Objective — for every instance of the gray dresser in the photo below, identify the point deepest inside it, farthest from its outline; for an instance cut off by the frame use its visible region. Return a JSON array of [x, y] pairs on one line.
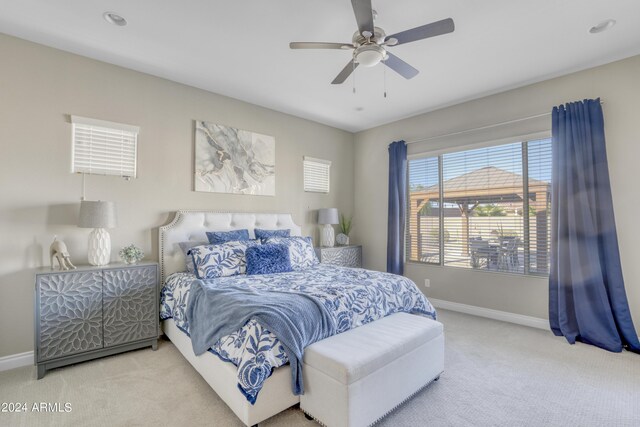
[[92, 312], [345, 256]]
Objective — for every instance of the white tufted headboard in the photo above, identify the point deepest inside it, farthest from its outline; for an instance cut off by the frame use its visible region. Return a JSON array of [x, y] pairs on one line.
[[193, 225]]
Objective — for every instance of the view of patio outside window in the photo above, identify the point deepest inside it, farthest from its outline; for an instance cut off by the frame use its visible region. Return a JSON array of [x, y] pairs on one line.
[[468, 208]]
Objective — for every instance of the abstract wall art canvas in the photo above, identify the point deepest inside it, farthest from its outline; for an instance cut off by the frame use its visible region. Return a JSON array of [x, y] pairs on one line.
[[230, 160]]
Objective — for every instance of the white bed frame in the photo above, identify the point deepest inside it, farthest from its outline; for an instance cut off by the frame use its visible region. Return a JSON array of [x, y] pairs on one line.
[[276, 394]]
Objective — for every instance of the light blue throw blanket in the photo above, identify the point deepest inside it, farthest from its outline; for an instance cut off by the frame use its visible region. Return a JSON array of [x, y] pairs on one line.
[[297, 319]]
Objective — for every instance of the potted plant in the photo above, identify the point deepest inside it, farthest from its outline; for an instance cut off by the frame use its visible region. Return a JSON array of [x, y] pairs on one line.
[[131, 254], [345, 228]]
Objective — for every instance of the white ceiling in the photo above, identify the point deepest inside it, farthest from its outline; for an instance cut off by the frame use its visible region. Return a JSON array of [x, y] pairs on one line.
[[240, 48]]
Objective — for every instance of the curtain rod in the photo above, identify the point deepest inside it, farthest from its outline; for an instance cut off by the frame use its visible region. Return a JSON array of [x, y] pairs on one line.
[[508, 122]]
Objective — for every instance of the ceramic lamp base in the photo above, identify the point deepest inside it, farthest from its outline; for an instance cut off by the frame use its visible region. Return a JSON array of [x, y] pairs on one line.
[[99, 247], [327, 237]]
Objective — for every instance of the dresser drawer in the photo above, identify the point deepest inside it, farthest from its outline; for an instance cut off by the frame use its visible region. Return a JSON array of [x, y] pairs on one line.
[[130, 305], [69, 314]]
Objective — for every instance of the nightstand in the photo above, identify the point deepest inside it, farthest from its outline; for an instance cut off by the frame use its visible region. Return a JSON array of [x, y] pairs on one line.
[[345, 256], [93, 312]]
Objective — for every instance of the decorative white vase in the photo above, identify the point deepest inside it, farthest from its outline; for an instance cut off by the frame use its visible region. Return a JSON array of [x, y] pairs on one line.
[[99, 247], [327, 238]]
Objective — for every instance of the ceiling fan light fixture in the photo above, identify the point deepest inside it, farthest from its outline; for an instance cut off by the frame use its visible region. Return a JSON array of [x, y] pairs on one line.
[[369, 55]]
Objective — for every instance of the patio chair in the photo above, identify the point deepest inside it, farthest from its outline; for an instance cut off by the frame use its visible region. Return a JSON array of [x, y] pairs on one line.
[[508, 254]]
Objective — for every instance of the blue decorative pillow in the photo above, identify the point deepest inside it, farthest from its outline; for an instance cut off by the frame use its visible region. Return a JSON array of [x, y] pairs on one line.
[[263, 235], [226, 259], [301, 252], [268, 259], [217, 237], [186, 247]]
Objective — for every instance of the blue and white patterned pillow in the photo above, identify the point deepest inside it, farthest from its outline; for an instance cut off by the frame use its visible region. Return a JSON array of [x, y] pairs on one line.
[[263, 235], [301, 253], [268, 259], [218, 237], [226, 259]]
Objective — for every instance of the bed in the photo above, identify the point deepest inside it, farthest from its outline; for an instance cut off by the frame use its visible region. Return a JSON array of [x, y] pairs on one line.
[[275, 393]]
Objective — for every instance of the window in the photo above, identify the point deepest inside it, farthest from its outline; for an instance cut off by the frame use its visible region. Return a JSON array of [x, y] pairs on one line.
[[316, 175], [103, 148], [468, 208]]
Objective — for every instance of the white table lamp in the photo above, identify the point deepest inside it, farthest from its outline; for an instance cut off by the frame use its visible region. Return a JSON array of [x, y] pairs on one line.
[[328, 217], [98, 215]]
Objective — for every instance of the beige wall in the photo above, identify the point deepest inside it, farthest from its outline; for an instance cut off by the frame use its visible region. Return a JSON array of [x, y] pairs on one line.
[[39, 197], [617, 84]]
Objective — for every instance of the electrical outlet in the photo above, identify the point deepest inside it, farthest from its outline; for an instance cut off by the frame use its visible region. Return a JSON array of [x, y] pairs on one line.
[[427, 283]]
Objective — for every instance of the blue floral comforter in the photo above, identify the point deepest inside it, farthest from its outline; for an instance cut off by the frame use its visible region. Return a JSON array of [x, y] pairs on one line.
[[353, 296]]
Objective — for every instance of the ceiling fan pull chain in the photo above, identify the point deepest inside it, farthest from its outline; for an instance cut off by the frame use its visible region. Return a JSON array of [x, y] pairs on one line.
[[384, 77]]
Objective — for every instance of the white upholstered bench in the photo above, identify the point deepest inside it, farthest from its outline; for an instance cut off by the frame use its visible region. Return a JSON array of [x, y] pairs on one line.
[[355, 378]]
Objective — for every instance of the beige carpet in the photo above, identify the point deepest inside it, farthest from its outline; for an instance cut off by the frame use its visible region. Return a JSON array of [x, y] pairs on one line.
[[497, 374]]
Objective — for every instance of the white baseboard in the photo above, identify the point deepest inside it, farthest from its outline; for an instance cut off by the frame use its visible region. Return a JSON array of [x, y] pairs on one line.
[[505, 316], [16, 361]]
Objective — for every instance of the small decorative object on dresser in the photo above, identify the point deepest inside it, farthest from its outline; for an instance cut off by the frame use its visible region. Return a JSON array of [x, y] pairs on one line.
[[131, 254], [342, 239], [345, 256], [345, 228], [58, 250], [327, 217], [98, 215], [93, 312]]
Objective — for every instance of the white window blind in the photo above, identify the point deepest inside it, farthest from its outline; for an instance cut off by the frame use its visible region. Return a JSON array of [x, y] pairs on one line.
[[467, 208], [317, 175], [103, 148], [539, 173]]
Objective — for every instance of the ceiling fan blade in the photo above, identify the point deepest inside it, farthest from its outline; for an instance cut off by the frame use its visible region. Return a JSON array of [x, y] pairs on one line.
[[364, 15], [319, 45], [400, 67], [425, 31], [346, 72]]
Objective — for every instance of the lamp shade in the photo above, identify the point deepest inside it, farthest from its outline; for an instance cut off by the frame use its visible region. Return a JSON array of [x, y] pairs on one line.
[[328, 216], [97, 214]]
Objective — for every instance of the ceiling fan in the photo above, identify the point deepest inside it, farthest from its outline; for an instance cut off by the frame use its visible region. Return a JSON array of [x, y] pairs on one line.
[[370, 43]]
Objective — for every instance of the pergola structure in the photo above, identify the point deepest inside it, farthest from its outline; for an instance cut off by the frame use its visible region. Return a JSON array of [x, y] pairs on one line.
[[482, 186]]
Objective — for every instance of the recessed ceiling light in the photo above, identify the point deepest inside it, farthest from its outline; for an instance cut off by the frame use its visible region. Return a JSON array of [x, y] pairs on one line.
[[114, 18], [602, 26]]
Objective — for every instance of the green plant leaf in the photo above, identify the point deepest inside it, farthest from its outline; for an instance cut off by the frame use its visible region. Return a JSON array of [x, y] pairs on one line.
[[345, 224]]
